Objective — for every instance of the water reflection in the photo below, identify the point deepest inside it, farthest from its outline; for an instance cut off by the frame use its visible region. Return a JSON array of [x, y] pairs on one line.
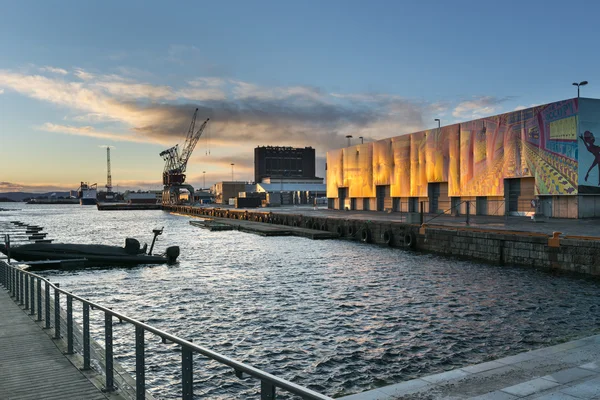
[[339, 317]]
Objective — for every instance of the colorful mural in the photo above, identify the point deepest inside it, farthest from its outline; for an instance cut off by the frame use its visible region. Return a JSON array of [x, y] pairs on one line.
[[475, 157], [589, 146]]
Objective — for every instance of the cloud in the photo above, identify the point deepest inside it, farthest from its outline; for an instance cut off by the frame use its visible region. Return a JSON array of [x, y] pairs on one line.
[[54, 70], [1, 91], [90, 131], [32, 187], [243, 115], [518, 108], [478, 107]]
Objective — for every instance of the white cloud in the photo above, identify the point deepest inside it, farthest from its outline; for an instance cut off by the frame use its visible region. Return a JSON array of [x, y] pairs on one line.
[[54, 70], [1, 91], [478, 107]]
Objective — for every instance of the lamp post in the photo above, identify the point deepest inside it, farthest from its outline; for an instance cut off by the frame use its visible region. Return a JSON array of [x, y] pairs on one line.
[[232, 164], [203, 179], [362, 140], [349, 137], [583, 83]]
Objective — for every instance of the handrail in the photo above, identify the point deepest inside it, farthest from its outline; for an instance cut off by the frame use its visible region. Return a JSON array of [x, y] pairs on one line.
[[445, 211], [19, 282]]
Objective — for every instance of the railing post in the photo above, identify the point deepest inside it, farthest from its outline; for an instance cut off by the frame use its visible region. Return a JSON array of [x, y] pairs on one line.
[[108, 343], [26, 287], [21, 280], [140, 367], [187, 373], [39, 299], [56, 312], [47, 304], [69, 324], [32, 294], [468, 211], [422, 212], [86, 336], [267, 390]]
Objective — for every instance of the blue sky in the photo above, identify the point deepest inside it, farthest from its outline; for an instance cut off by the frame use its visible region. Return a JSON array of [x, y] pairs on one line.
[[78, 75]]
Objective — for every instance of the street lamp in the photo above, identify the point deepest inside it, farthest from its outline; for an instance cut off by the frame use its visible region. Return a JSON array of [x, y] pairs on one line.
[[583, 83], [203, 179], [232, 164], [348, 137], [361, 139]]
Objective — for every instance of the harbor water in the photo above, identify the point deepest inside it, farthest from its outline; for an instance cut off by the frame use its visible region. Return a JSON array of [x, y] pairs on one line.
[[337, 316]]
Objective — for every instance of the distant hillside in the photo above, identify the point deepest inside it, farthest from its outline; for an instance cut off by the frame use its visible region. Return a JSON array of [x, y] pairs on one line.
[[20, 196]]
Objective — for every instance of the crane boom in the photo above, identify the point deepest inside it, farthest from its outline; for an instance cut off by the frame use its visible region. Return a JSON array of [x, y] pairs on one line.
[[190, 144], [175, 162]]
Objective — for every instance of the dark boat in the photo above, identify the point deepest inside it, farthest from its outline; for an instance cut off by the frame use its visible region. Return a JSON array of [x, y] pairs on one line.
[[90, 254]]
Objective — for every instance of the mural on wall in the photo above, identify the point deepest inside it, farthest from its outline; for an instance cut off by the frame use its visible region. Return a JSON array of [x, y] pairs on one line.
[[418, 170], [400, 184], [358, 170], [437, 154], [383, 162], [589, 146], [335, 177], [475, 157]]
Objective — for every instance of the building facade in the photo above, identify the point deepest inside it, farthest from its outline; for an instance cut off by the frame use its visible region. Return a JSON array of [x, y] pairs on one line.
[[283, 162], [543, 159]]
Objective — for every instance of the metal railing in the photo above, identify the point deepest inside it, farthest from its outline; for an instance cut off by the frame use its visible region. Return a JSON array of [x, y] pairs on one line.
[[26, 288]]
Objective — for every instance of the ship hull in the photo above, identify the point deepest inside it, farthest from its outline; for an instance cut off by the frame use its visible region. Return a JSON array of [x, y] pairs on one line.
[[88, 202]]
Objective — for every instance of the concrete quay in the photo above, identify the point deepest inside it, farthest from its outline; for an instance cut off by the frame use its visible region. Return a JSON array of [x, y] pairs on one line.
[[566, 371], [567, 245]]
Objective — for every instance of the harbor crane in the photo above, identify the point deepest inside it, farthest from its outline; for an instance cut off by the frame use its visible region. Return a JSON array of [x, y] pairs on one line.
[[176, 164]]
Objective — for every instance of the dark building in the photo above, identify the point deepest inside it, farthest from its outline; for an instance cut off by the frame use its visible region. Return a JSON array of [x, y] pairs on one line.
[[283, 163]]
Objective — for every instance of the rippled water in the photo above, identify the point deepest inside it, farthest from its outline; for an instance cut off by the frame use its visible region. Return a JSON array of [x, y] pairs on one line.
[[339, 317]]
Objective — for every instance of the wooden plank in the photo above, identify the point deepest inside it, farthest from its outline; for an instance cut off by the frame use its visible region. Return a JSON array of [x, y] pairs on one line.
[[32, 365]]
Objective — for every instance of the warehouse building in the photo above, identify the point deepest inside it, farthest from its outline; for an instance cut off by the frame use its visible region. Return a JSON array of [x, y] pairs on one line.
[[543, 160]]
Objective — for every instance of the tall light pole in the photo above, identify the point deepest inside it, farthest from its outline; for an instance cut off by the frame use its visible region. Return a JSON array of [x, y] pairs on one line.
[[362, 140], [349, 137], [232, 164], [203, 179], [583, 83]]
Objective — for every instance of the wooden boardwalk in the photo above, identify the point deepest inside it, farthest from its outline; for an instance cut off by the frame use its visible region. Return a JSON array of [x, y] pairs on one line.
[[32, 366]]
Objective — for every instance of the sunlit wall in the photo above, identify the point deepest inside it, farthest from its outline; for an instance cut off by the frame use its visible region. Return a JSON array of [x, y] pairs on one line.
[[475, 157]]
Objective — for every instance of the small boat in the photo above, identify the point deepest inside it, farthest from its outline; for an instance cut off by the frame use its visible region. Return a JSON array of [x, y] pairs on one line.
[[66, 254]]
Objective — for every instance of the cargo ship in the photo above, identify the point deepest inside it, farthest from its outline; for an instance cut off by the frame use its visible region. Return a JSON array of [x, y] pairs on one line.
[[87, 194]]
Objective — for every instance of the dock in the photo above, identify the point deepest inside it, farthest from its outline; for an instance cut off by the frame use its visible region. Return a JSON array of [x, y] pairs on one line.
[[262, 229], [33, 367]]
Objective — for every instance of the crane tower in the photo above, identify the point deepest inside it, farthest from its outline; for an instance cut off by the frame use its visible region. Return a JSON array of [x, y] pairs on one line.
[[176, 164]]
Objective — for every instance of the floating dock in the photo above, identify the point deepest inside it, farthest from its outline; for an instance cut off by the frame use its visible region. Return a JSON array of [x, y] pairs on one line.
[[221, 224]]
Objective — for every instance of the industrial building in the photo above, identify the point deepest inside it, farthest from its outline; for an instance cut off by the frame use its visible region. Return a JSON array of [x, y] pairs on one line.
[[542, 160], [288, 163]]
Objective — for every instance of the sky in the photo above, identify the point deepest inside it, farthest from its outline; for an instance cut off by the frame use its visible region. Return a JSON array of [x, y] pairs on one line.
[[77, 76]]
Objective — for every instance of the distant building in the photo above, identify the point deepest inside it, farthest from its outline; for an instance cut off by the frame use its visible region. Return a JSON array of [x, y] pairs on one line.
[[286, 163], [223, 191]]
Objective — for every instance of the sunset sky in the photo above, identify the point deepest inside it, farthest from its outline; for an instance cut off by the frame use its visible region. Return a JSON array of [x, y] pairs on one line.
[[76, 76]]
